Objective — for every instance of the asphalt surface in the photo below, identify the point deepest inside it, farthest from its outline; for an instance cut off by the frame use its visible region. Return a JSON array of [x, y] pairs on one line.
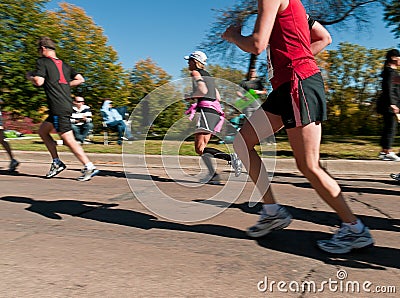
[[145, 227]]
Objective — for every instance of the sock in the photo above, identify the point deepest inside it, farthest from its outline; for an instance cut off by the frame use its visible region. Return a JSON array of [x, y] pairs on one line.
[[56, 160], [217, 153], [89, 166], [271, 209], [356, 227], [206, 157]]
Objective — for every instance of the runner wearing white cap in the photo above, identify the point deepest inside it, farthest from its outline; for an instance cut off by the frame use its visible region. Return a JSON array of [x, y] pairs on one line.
[[210, 115]]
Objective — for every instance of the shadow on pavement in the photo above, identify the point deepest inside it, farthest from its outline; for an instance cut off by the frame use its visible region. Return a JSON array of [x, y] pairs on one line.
[[299, 243], [317, 217], [345, 188], [17, 173], [103, 213], [122, 174], [289, 241], [157, 178], [106, 173], [352, 179]]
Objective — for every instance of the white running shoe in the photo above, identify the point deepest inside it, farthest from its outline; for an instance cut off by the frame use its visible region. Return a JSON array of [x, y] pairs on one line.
[[268, 223], [391, 156], [346, 240], [87, 174], [236, 164]]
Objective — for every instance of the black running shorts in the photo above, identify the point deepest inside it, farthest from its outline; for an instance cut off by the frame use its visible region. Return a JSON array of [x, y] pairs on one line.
[[307, 106], [62, 123]]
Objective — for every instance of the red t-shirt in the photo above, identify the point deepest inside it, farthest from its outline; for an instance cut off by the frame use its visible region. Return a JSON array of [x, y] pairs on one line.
[[290, 46]]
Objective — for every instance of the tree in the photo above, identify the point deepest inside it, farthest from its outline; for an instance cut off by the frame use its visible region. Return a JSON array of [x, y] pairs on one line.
[[392, 16], [152, 83], [226, 73], [353, 84], [83, 45], [19, 27], [244, 12], [145, 77]]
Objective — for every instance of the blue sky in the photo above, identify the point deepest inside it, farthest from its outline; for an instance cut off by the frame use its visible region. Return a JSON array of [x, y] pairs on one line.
[[166, 31]]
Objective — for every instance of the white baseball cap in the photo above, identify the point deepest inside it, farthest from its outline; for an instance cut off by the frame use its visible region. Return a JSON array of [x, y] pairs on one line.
[[199, 56]]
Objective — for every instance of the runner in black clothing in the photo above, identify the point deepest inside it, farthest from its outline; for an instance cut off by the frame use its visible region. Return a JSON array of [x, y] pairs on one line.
[[57, 78]]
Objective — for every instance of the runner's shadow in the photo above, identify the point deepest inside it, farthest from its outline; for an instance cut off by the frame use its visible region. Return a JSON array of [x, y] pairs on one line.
[[339, 179], [104, 213], [17, 173], [345, 187], [122, 174], [157, 178], [52, 209], [318, 217], [107, 173], [372, 180], [299, 243], [294, 242], [8, 173]]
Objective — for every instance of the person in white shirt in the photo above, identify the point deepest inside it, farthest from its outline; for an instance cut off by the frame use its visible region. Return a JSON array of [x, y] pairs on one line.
[[81, 119]]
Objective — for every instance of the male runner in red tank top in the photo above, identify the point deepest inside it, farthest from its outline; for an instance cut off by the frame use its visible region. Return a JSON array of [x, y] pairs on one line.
[[298, 104]]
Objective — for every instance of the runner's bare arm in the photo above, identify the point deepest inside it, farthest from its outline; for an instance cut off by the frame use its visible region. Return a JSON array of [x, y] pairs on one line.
[[36, 80], [201, 89], [259, 39], [320, 38], [77, 80]]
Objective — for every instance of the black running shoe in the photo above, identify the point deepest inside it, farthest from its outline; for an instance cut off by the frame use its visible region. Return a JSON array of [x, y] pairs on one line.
[[13, 165], [55, 169]]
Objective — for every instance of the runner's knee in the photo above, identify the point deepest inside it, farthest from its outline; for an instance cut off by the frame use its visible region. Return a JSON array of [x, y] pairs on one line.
[[308, 169]]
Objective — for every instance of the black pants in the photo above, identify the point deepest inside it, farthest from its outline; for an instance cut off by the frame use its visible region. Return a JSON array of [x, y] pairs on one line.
[[389, 130]]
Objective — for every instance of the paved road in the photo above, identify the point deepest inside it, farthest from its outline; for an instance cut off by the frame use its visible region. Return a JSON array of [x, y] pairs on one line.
[[64, 238]]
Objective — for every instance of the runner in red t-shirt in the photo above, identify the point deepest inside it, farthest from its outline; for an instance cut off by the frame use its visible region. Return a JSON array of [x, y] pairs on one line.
[[298, 104]]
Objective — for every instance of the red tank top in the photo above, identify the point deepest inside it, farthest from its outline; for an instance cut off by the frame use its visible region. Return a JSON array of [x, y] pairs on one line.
[[290, 46]]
